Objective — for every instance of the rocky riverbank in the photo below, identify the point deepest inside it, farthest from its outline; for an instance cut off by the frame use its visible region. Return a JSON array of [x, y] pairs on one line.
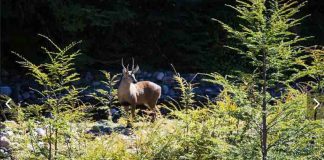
[[19, 86]]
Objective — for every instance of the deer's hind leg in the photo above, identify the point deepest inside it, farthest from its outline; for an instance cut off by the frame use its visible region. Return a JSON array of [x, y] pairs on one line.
[[133, 108], [154, 111]]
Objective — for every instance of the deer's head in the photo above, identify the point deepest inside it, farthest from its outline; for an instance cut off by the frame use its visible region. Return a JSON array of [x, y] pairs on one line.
[[129, 75]]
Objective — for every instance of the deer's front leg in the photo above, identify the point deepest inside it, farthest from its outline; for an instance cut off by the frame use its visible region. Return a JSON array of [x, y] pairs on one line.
[[133, 112], [126, 108]]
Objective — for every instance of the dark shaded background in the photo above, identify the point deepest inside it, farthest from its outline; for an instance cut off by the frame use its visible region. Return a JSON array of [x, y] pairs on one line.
[[154, 32]]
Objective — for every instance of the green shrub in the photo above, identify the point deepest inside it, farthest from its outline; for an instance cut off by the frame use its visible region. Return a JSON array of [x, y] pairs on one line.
[[60, 99]]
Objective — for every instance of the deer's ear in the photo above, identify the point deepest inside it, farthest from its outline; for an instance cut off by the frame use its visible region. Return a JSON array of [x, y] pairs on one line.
[[136, 69]]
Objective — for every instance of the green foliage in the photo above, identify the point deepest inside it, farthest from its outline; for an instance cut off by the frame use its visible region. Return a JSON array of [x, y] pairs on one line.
[[286, 122], [186, 90], [60, 99], [230, 126], [107, 99], [267, 42], [225, 128], [314, 70], [268, 30], [14, 110]]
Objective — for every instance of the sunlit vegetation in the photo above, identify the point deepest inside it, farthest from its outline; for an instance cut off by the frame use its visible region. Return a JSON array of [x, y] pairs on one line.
[[245, 121]]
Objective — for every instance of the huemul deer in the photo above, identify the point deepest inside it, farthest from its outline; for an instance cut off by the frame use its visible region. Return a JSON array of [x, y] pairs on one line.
[[132, 93]]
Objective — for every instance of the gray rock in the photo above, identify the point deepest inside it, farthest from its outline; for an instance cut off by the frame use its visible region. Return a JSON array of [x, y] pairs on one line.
[[172, 93], [96, 83], [2, 126], [160, 76], [88, 77], [26, 95], [212, 90], [165, 89], [100, 129], [7, 133], [20, 98], [48, 115], [169, 73], [168, 79], [4, 142], [6, 90], [123, 130], [115, 114], [113, 111], [4, 153], [30, 147], [41, 144], [183, 157], [209, 90], [32, 94], [41, 132], [11, 122], [127, 132]]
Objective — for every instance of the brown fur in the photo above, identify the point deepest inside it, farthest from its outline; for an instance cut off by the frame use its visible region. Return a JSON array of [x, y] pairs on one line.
[[142, 93]]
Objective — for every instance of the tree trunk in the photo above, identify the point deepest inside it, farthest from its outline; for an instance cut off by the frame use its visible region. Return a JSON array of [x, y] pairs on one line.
[[264, 131], [50, 142], [55, 144]]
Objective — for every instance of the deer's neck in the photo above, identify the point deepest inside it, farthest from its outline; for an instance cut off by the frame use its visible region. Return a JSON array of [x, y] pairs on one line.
[[125, 85]]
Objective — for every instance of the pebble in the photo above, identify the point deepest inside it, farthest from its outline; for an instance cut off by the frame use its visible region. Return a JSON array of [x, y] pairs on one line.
[[6, 90], [172, 93], [4, 153], [208, 90], [88, 77], [8, 133], [41, 132], [160, 76], [4, 142], [25, 95], [96, 83], [165, 89]]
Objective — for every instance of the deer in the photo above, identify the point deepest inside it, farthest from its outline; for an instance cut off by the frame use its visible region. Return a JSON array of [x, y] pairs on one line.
[[132, 93]]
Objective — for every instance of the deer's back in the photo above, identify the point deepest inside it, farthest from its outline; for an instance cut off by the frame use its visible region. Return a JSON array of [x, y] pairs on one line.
[[147, 92]]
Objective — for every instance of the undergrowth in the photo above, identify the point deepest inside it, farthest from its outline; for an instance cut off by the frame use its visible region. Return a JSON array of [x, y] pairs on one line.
[[229, 126]]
